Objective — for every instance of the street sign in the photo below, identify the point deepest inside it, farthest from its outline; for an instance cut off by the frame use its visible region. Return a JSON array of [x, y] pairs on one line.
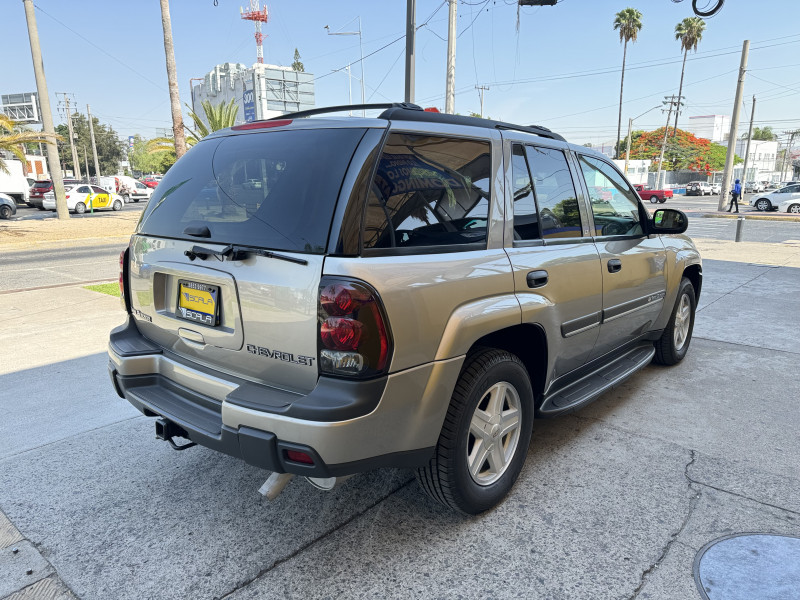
[[248, 100], [130, 141]]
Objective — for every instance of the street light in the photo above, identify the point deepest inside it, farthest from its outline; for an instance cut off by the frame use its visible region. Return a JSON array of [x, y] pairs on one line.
[[361, 49], [630, 127]]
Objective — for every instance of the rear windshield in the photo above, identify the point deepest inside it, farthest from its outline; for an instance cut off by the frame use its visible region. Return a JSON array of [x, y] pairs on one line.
[[274, 189], [42, 184]]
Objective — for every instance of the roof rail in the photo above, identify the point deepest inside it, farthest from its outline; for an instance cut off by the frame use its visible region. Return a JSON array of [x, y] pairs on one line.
[[399, 113], [332, 109]]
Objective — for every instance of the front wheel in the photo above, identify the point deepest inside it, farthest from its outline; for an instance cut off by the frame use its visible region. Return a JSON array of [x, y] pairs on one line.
[[673, 344], [763, 204], [654, 199], [794, 208], [80, 208], [663, 200], [5, 212], [486, 434]]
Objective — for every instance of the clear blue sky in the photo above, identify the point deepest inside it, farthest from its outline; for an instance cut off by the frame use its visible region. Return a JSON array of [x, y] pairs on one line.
[[560, 69]]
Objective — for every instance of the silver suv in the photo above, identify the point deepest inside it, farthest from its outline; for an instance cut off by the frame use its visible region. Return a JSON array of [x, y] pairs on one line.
[[322, 297]]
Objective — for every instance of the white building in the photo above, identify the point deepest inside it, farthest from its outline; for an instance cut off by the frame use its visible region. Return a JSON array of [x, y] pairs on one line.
[[716, 128], [261, 91], [637, 170], [761, 163]]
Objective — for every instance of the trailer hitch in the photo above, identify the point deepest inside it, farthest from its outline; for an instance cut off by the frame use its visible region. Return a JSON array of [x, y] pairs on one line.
[[166, 431]]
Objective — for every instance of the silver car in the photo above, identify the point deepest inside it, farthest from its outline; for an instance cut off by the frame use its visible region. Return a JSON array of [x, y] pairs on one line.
[[785, 199], [322, 297]]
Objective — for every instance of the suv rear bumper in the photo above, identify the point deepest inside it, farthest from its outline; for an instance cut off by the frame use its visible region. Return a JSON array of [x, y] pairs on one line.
[[344, 426]]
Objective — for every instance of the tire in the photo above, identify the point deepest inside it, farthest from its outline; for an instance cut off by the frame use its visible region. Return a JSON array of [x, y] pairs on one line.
[[135, 199], [794, 208], [674, 342], [464, 474], [80, 208], [126, 199], [662, 200], [117, 205], [5, 212], [654, 199], [763, 204], [40, 207]]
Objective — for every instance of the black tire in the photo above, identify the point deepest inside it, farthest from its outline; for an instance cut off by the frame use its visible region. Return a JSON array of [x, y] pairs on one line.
[[793, 208], [662, 200], [674, 342], [654, 199], [40, 207], [136, 199], [763, 204], [117, 205], [80, 208], [447, 478], [126, 199], [5, 212]]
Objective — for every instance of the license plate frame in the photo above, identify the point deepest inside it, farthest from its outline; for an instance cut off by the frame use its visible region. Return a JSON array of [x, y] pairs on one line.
[[198, 302]]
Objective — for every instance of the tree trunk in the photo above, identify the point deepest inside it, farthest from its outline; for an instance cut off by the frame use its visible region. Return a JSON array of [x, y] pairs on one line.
[[174, 97], [621, 84], [680, 91]]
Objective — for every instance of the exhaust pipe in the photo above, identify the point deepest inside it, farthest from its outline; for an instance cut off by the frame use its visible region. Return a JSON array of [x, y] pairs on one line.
[[327, 483]]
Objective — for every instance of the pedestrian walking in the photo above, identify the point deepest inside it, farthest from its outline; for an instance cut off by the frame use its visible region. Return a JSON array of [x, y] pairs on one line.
[[735, 195]]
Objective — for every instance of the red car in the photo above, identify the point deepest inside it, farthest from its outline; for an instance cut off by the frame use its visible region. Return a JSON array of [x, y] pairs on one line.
[[151, 181], [40, 188], [654, 196]]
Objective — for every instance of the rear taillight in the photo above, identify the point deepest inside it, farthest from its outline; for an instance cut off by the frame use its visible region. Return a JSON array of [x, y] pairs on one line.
[[123, 271], [354, 336]]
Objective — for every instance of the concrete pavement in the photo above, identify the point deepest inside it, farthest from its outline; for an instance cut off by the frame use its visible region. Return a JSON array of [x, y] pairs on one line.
[[614, 501]]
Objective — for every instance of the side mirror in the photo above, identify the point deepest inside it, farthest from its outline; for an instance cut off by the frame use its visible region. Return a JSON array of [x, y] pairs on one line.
[[668, 220]]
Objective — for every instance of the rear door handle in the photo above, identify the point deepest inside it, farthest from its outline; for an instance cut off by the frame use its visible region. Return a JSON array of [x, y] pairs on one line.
[[614, 265], [536, 279]]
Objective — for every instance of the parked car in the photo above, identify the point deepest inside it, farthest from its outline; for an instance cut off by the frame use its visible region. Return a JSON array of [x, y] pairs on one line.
[[699, 188], [716, 188], [84, 197], [152, 181], [654, 196], [40, 188], [393, 295], [134, 191], [783, 200], [753, 187], [8, 206]]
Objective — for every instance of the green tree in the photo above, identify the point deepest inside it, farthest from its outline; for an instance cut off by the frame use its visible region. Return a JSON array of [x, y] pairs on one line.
[[109, 146], [685, 151], [688, 32], [762, 133], [297, 65], [629, 23], [13, 139]]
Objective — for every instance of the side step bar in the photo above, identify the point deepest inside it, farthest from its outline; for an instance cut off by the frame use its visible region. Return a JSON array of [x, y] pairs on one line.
[[594, 384]]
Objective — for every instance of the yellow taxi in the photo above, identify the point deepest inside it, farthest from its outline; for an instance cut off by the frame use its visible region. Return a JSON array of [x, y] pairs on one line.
[[85, 197]]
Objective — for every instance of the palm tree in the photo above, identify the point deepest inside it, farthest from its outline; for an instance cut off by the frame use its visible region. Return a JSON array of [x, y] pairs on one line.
[[13, 140], [629, 23], [172, 78], [220, 116], [689, 32]]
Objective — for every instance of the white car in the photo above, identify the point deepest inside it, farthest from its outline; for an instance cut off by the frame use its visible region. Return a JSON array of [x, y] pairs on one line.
[[786, 199], [135, 191], [754, 186], [84, 197], [716, 188]]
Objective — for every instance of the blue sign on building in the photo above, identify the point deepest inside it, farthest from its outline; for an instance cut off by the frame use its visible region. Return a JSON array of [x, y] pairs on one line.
[[130, 141], [248, 100]]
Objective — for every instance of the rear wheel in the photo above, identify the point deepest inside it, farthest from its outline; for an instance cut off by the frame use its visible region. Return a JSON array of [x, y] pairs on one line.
[[5, 212], [654, 199], [794, 208], [674, 342], [763, 204], [486, 433], [80, 208]]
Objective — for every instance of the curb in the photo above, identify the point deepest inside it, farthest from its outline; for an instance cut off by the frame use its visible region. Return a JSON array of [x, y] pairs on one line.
[[755, 217]]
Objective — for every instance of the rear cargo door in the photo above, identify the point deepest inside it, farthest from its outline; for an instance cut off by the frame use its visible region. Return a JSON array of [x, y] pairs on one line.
[[226, 262]]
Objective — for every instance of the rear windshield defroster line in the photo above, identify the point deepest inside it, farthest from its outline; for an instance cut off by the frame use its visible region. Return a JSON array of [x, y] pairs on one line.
[[273, 189]]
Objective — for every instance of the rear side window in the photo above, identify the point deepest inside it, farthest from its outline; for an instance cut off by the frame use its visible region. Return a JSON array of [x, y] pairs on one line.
[[555, 193], [275, 189], [429, 191], [526, 218]]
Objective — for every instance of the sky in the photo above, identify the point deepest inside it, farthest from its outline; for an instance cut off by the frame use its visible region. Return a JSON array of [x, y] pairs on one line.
[[558, 67]]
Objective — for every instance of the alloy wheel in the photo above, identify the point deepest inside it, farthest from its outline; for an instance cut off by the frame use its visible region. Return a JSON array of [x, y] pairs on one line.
[[494, 433], [683, 321]]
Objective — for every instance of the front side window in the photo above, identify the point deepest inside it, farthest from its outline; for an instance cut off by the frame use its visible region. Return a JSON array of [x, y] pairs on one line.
[[429, 191], [555, 193], [614, 205]]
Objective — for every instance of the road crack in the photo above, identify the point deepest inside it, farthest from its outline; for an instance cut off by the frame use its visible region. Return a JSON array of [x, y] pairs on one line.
[[693, 501]]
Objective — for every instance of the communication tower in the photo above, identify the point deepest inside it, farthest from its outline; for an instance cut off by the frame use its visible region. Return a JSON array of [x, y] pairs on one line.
[[258, 16]]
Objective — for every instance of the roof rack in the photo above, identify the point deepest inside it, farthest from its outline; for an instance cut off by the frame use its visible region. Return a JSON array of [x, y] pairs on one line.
[[405, 111], [332, 109]]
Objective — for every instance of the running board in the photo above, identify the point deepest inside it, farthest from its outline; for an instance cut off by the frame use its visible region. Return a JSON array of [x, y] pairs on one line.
[[594, 384]]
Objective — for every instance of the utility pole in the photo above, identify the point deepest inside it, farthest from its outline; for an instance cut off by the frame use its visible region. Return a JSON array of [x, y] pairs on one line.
[[53, 160], [450, 87], [669, 101], [411, 30], [75, 161], [737, 103], [747, 147], [481, 89], [94, 146]]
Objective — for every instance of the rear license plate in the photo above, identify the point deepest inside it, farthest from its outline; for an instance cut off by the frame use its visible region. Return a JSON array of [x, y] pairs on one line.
[[198, 302]]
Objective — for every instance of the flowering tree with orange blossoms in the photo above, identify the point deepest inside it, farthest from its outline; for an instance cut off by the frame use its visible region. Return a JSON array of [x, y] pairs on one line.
[[684, 151]]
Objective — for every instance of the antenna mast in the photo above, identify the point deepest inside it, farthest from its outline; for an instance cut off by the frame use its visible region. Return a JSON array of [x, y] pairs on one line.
[[258, 16]]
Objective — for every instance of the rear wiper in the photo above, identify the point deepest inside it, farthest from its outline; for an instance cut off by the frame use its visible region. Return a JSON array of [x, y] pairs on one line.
[[233, 252]]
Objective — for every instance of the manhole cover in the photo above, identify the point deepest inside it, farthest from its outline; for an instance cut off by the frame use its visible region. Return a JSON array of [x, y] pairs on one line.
[[747, 566]]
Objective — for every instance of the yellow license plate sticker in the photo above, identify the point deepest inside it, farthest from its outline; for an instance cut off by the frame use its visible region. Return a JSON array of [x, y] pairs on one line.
[[198, 302]]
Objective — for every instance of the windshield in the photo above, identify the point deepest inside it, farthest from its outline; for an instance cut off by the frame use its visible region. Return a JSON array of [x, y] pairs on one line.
[[272, 189]]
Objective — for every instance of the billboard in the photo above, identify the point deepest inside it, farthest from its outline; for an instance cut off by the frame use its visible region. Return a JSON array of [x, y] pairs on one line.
[[23, 108]]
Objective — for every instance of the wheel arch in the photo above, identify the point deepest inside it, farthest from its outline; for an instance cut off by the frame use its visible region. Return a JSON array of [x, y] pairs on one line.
[[695, 274]]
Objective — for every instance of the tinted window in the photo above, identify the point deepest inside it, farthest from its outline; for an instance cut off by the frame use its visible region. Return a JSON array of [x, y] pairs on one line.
[[275, 189], [98, 190], [42, 184], [526, 218], [84, 189], [429, 191], [614, 205], [555, 193]]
